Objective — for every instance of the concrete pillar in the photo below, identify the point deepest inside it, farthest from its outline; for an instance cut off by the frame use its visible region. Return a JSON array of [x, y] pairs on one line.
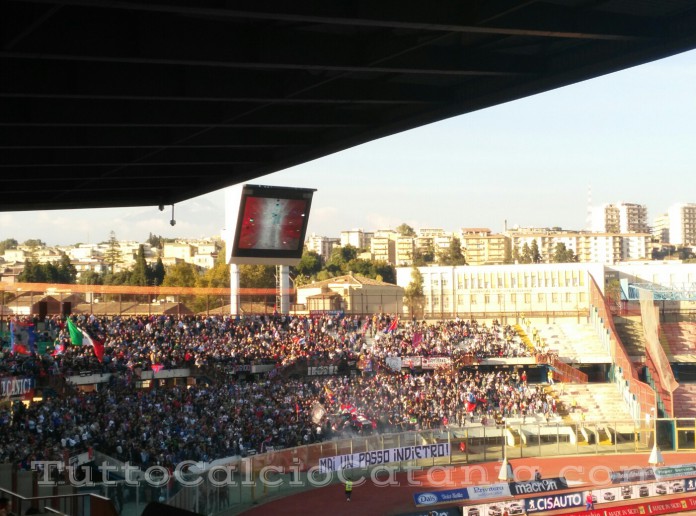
[[234, 289], [284, 271]]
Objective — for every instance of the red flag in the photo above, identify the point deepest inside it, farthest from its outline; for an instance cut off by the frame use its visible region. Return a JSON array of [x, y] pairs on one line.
[[21, 349], [417, 338], [98, 346], [157, 367], [393, 325]]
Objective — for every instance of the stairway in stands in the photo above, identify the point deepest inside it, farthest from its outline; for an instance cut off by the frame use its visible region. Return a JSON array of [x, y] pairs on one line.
[[574, 342], [597, 401], [630, 331]]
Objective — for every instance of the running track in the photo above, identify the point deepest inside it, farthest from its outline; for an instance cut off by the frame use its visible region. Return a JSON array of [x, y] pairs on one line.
[[372, 500]]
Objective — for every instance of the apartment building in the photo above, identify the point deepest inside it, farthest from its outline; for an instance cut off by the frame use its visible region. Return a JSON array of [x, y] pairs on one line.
[[322, 245], [405, 247], [481, 247], [605, 248], [383, 248], [620, 217], [660, 228], [357, 238], [682, 224]]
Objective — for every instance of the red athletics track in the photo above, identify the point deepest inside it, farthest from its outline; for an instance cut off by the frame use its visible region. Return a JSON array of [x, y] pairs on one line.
[[371, 500]]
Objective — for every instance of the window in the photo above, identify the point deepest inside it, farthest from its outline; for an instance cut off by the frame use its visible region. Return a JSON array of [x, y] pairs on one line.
[[568, 297], [460, 300], [527, 298], [487, 299], [513, 298], [472, 299], [540, 297], [554, 297]]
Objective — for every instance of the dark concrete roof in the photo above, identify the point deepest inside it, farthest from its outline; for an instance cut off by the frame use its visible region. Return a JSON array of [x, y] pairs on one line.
[[144, 102]]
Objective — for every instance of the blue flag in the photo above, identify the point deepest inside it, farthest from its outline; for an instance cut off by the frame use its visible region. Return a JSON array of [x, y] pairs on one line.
[[22, 337]]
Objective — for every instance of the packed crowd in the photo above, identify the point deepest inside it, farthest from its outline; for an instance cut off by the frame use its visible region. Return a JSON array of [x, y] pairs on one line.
[[205, 422], [452, 338], [186, 341]]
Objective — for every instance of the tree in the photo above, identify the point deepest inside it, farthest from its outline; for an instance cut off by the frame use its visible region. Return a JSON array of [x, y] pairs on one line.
[[385, 272], [9, 243], [516, 257], [34, 242], [612, 294], [66, 270], [181, 275], [141, 274], [91, 278], [218, 276], [453, 254], [340, 256], [414, 298], [360, 266], [33, 272], [257, 276], [563, 255], [526, 255], [117, 278], [423, 257], [534, 253], [509, 256], [405, 230], [158, 272], [112, 255], [155, 241], [309, 264]]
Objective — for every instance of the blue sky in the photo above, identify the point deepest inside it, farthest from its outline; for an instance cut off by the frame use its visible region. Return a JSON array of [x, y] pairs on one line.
[[630, 135]]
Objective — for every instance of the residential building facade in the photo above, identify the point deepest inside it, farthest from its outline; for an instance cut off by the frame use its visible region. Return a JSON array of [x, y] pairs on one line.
[[620, 217], [481, 247], [682, 224], [322, 245]]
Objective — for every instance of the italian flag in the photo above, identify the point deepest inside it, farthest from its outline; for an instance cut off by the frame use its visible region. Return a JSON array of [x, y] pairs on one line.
[[79, 337]]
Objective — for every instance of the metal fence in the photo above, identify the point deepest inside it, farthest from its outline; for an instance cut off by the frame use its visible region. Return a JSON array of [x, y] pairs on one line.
[[277, 473]]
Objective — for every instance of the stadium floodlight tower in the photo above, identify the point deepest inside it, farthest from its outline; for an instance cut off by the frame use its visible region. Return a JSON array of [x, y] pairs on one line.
[[265, 225]]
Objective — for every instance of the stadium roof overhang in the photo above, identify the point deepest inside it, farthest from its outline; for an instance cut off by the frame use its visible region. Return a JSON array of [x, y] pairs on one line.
[[126, 103]]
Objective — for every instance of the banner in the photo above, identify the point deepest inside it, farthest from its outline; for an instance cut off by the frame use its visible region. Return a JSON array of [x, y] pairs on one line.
[[445, 511], [411, 362], [538, 486], [682, 470], [632, 475], [377, 457], [11, 387], [555, 502], [322, 370], [435, 497], [435, 362], [658, 507], [489, 491], [394, 363]]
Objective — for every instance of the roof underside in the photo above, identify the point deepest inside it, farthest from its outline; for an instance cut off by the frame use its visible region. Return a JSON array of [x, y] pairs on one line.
[[128, 103]]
